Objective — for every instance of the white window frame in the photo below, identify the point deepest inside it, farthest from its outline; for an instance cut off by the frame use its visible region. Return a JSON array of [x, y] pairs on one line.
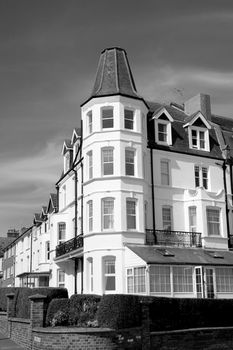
[[106, 160], [89, 122], [66, 161], [199, 176], [167, 224], [47, 251], [224, 279], [129, 121], [90, 215], [90, 165], [107, 213], [109, 262], [165, 175], [217, 223], [136, 280], [192, 218], [60, 278], [131, 215], [198, 144], [61, 232], [160, 279], [105, 119], [183, 279], [130, 162], [168, 132]]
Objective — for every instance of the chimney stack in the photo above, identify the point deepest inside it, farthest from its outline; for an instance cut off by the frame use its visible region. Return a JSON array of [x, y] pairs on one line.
[[198, 103]]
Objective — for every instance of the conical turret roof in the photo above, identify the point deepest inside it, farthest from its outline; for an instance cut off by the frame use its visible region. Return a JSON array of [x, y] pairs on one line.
[[114, 76]]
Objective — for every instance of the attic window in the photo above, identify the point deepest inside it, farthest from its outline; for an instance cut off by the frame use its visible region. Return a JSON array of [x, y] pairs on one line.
[[163, 135], [198, 138], [164, 252], [198, 133]]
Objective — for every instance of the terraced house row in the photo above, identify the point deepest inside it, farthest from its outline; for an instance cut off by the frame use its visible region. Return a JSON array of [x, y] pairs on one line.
[[144, 204]]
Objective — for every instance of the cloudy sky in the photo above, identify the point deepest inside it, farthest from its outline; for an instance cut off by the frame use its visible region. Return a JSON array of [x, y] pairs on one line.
[[49, 52]]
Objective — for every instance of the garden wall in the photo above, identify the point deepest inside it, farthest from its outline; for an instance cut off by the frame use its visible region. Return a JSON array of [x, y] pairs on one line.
[[194, 339], [19, 330]]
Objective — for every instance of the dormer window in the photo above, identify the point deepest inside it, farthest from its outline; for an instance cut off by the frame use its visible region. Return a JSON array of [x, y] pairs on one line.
[[67, 161], [198, 132], [199, 138], [163, 129], [107, 118]]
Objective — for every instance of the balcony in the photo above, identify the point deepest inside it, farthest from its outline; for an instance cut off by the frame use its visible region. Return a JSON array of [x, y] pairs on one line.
[[69, 246], [174, 238]]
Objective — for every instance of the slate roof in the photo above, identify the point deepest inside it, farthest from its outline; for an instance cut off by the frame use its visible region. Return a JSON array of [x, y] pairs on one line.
[[53, 197], [114, 76], [181, 256], [220, 134], [4, 241]]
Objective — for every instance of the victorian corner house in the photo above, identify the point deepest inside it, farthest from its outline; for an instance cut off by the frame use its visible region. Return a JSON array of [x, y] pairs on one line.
[[144, 203]]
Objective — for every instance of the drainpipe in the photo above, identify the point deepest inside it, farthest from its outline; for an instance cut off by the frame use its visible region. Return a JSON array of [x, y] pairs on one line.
[[152, 192], [231, 180], [224, 166], [81, 260], [31, 253]]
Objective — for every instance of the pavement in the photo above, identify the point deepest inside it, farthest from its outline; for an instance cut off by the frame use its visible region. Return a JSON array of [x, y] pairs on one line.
[[8, 344]]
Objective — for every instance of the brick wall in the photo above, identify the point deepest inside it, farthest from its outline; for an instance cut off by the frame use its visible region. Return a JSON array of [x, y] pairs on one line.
[[72, 339], [194, 339], [21, 332], [3, 322]]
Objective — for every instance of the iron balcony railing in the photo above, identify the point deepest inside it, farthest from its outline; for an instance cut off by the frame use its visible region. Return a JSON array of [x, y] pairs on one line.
[[69, 246], [173, 238]]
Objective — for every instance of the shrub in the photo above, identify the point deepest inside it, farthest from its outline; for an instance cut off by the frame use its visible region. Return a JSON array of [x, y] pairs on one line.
[[119, 311], [61, 318], [83, 309], [62, 305], [23, 302]]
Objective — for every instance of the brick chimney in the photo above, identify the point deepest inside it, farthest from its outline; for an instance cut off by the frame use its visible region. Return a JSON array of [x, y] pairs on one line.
[[12, 233], [200, 102]]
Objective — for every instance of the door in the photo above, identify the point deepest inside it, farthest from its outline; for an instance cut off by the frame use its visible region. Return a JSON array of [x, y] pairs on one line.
[[209, 285], [199, 282]]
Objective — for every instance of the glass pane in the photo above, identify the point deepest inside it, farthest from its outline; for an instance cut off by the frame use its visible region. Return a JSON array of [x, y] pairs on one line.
[[107, 118], [110, 283], [129, 119]]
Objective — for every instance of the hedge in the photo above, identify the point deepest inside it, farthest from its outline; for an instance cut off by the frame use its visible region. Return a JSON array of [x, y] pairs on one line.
[[174, 313], [119, 311], [83, 308], [55, 306], [3, 296], [23, 302]]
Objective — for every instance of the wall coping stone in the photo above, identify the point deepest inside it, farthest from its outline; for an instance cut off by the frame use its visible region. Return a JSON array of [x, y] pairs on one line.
[[176, 331], [69, 330], [10, 295], [37, 296], [19, 320]]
